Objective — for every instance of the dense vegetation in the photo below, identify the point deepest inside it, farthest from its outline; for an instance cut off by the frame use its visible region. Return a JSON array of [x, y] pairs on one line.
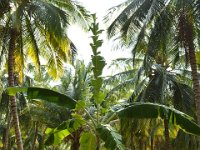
[[152, 103]]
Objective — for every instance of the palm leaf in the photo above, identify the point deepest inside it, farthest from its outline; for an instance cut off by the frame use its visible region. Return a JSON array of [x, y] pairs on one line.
[[49, 16], [19, 58], [5, 36], [55, 66], [113, 28], [4, 7], [122, 86], [184, 98], [33, 48], [119, 76], [153, 110], [76, 13]]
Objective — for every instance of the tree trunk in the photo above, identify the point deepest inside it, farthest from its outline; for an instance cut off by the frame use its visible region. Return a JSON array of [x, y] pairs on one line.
[[75, 140], [193, 65], [35, 135], [152, 141], [187, 37], [97, 142], [141, 143], [167, 139], [13, 103], [6, 133]]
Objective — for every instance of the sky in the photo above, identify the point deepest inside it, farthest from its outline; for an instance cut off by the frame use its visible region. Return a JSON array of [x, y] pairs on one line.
[[82, 39]]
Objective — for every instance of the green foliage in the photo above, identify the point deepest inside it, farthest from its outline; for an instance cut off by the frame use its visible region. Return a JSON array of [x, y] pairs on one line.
[[12, 91], [152, 110], [110, 136], [198, 58], [87, 141], [56, 135], [98, 62], [51, 96], [44, 26], [46, 95]]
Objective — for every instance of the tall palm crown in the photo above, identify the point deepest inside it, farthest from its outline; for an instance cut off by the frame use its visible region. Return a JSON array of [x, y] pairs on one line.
[[160, 26], [41, 28], [33, 28]]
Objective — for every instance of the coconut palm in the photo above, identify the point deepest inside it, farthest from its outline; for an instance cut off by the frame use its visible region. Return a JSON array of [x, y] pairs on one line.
[[29, 24], [98, 119], [158, 86], [136, 110], [156, 21]]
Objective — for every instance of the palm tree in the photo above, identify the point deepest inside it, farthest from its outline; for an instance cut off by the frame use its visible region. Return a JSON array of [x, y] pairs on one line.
[[136, 110], [4, 6], [156, 21], [158, 86], [44, 20]]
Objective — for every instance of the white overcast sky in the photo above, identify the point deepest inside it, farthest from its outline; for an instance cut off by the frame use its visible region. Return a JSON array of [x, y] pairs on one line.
[[82, 40]]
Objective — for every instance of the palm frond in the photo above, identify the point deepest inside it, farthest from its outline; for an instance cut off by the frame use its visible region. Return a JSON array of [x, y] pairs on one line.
[[4, 7], [184, 98], [122, 87], [120, 76], [137, 90], [55, 66], [77, 13], [3, 49], [124, 15], [50, 17], [19, 59], [32, 45], [121, 61], [46, 113], [160, 35]]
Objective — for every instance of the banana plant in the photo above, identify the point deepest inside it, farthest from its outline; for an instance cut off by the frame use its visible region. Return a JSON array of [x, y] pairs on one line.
[[89, 126], [153, 110], [106, 132]]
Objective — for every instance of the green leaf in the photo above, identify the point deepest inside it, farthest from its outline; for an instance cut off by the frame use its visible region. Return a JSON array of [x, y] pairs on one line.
[[99, 97], [112, 139], [48, 131], [99, 63], [59, 136], [152, 110], [97, 83], [50, 140], [12, 91], [44, 94], [56, 137], [197, 54], [79, 120], [87, 141], [80, 105], [51, 96]]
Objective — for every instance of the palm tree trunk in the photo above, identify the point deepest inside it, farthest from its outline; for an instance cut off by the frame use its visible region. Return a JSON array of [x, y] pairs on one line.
[[13, 103], [187, 33], [141, 144], [152, 141], [7, 129], [167, 139], [195, 80]]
